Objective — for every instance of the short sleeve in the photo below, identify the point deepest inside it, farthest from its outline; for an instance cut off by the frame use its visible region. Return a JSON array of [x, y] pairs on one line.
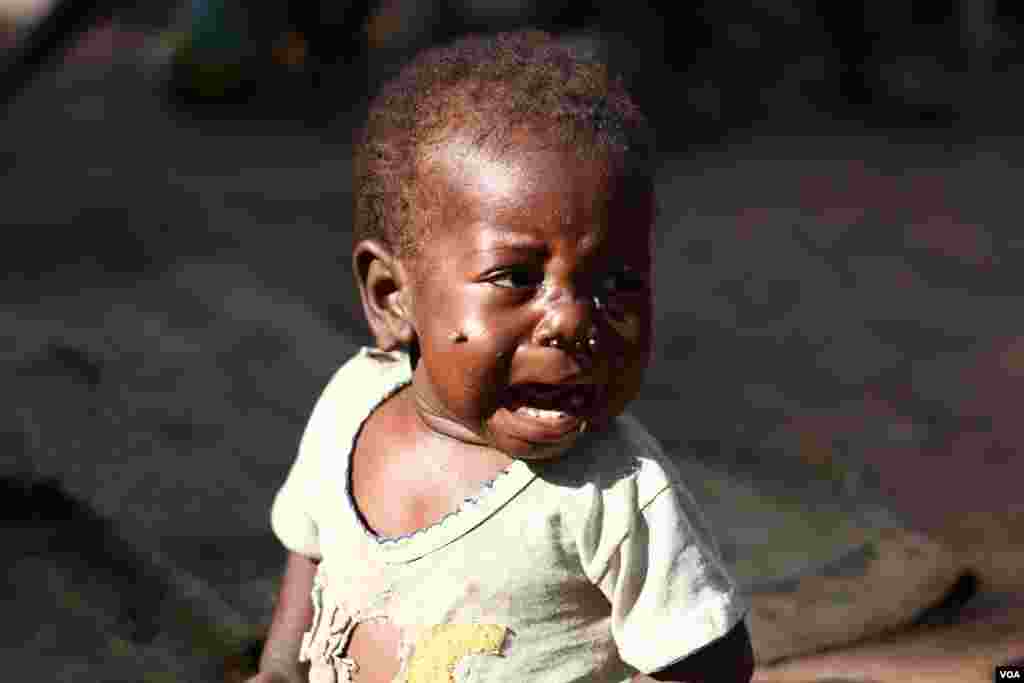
[[669, 589], [291, 515], [351, 394]]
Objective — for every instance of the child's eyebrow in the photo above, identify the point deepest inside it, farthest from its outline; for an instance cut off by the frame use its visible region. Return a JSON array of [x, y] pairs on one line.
[[511, 241]]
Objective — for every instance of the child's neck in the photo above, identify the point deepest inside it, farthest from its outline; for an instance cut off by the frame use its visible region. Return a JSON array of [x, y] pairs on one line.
[[407, 476]]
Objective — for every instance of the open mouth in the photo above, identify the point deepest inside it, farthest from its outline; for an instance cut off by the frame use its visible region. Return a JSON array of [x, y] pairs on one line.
[[549, 412]]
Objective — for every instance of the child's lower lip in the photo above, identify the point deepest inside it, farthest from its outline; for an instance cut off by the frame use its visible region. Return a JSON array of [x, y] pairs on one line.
[[543, 429]]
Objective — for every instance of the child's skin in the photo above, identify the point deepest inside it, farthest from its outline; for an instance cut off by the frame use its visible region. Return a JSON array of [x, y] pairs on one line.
[[529, 252]]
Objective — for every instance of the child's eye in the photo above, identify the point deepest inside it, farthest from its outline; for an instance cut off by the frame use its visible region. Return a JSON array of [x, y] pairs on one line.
[[518, 278]]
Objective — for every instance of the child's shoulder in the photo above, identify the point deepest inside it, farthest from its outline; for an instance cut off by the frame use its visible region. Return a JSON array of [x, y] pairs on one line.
[[370, 368], [624, 456], [365, 378], [355, 388]]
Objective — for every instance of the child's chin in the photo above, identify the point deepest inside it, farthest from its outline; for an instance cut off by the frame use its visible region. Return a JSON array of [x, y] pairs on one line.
[[535, 452]]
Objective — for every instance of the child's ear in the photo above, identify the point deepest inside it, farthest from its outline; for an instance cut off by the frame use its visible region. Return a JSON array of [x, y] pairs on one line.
[[384, 287]]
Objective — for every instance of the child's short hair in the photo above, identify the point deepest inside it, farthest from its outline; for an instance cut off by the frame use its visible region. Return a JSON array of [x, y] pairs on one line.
[[492, 83]]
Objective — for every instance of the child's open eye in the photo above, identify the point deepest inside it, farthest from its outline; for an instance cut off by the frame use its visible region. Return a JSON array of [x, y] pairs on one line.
[[516, 278]]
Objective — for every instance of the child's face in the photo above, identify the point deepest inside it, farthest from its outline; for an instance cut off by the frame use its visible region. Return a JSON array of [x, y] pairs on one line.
[[529, 253]]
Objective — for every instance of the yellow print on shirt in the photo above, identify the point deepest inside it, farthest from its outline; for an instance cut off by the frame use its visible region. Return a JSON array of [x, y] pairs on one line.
[[439, 649]]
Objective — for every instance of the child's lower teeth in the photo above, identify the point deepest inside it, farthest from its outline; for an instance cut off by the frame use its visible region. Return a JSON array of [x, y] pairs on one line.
[[543, 414]]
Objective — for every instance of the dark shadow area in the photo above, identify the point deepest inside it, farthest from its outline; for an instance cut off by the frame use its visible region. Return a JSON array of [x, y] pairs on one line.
[[947, 611], [70, 533]]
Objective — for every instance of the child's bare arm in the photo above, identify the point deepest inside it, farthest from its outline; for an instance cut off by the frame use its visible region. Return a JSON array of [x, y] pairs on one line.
[[293, 615], [729, 659]]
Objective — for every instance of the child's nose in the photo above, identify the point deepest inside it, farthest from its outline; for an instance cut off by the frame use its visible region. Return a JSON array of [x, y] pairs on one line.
[[569, 324]]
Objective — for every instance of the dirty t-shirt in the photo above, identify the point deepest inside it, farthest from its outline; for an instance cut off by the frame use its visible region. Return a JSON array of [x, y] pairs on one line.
[[590, 567]]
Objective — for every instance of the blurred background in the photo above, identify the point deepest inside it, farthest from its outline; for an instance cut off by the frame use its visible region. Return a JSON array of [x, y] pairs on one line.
[[839, 259]]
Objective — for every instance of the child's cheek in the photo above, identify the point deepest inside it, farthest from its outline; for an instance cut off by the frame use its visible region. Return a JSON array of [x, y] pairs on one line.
[[472, 358], [627, 324], [479, 329]]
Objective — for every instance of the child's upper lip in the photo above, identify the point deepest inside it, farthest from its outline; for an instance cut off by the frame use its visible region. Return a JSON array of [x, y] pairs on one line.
[[555, 394], [555, 384]]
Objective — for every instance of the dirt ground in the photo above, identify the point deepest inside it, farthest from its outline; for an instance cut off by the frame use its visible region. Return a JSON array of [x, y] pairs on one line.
[[836, 332]]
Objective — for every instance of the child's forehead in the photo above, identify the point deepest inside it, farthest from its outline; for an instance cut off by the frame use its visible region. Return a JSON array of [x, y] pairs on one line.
[[503, 160], [519, 181], [491, 206]]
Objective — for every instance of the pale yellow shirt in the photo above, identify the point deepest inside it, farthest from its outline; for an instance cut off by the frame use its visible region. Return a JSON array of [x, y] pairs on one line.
[[589, 568]]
